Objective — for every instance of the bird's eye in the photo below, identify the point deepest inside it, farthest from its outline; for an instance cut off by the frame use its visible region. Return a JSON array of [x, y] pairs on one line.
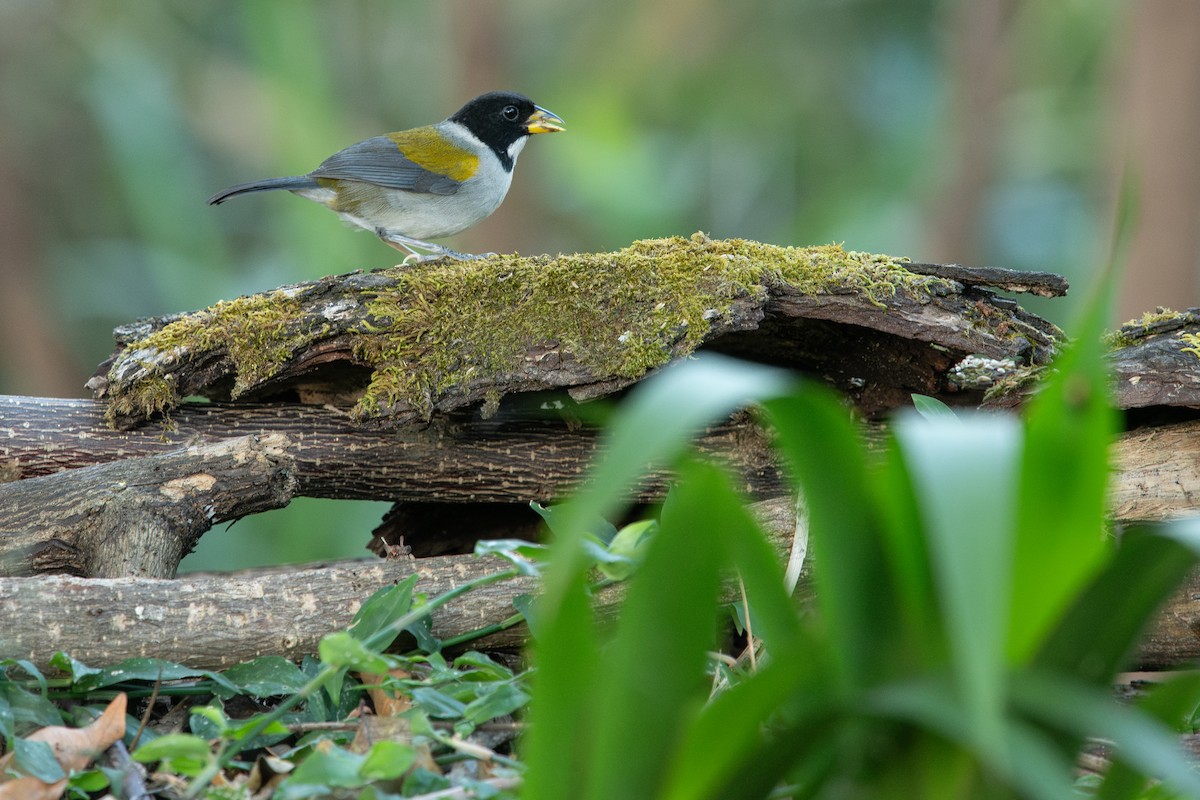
[[511, 113]]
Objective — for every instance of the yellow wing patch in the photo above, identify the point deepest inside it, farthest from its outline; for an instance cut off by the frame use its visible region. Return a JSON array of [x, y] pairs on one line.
[[423, 146]]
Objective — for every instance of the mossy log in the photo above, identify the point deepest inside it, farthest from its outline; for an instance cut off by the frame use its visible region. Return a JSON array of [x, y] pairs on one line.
[[1156, 361], [399, 345]]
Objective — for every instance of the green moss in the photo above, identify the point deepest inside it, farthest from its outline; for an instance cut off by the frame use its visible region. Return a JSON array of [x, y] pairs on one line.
[[257, 334], [1020, 381], [1135, 329], [148, 396], [433, 328], [619, 314]]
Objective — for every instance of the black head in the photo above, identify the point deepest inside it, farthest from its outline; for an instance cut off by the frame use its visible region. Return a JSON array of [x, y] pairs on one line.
[[498, 119]]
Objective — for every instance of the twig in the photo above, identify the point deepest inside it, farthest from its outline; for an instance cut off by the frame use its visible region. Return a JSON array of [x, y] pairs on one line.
[[133, 786], [466, 793], [749, 625], [352, 724], [145, 720], [1043, 284], [477, 751]]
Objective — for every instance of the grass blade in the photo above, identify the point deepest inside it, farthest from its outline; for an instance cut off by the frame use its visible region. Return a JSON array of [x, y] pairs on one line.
[[1070, 424], [729, 739], [567, 657], [1164, 703], [654, 668], [1082, 710], [654, 426], [822, 447], [964, 475]]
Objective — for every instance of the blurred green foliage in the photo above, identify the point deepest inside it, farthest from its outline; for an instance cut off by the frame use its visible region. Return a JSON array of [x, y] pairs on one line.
[[970, 613], [786, 121]]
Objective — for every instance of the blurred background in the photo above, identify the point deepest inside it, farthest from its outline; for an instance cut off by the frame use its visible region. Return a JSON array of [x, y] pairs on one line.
[[990, 132]]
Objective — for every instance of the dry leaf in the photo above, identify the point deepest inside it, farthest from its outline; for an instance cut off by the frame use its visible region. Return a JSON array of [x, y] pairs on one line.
[[378, 729], [266, 774], [74, 748], [31, 789], [387, 703]]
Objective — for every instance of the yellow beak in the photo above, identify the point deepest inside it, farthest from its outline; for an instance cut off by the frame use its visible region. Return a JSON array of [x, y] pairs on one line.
[[543, 121]]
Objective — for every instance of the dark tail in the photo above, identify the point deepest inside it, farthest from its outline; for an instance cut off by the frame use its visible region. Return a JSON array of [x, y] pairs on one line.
[[300, 182]]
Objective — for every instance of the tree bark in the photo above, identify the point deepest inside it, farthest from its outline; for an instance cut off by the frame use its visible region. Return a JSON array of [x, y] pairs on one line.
[[138, 516], [1157, 473], [489, 461], [1159, 364], [507, 458], [217, 620]]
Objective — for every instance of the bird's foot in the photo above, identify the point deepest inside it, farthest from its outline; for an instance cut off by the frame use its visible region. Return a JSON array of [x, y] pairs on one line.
[[409, 245], [465, 256]]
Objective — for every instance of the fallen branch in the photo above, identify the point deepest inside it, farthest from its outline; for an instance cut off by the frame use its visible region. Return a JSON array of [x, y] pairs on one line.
[[213, 621], [396, 346], [138, 516], [480, 461], [1042, 284], [509, 459], [217, 620]]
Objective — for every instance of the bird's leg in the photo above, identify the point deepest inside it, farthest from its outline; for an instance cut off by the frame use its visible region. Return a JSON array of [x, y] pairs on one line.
[[436, 251], [448, 253], [412, 257]]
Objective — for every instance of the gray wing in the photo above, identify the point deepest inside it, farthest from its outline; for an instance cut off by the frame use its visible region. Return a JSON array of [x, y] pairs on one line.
[[377, 160]]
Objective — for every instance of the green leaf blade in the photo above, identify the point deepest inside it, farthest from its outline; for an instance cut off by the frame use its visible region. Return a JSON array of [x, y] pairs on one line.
[[343, 650], [965, 473], [828, 460], [1070, 424], [381, 609], [656, 422], [268, 676], [670, 612]]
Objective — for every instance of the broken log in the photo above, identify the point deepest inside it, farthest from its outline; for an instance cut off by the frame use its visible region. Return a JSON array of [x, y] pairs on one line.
[[500, 460], [138, 516], [213, 621], [507, 458], [401, 345], [1042, 284], [415, 385], [1156, 361]]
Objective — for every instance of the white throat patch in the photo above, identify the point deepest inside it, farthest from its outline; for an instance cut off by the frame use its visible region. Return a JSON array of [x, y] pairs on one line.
[[516, 147]]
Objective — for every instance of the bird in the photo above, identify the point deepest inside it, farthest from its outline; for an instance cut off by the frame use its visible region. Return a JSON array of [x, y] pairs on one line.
[[425, 183]]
